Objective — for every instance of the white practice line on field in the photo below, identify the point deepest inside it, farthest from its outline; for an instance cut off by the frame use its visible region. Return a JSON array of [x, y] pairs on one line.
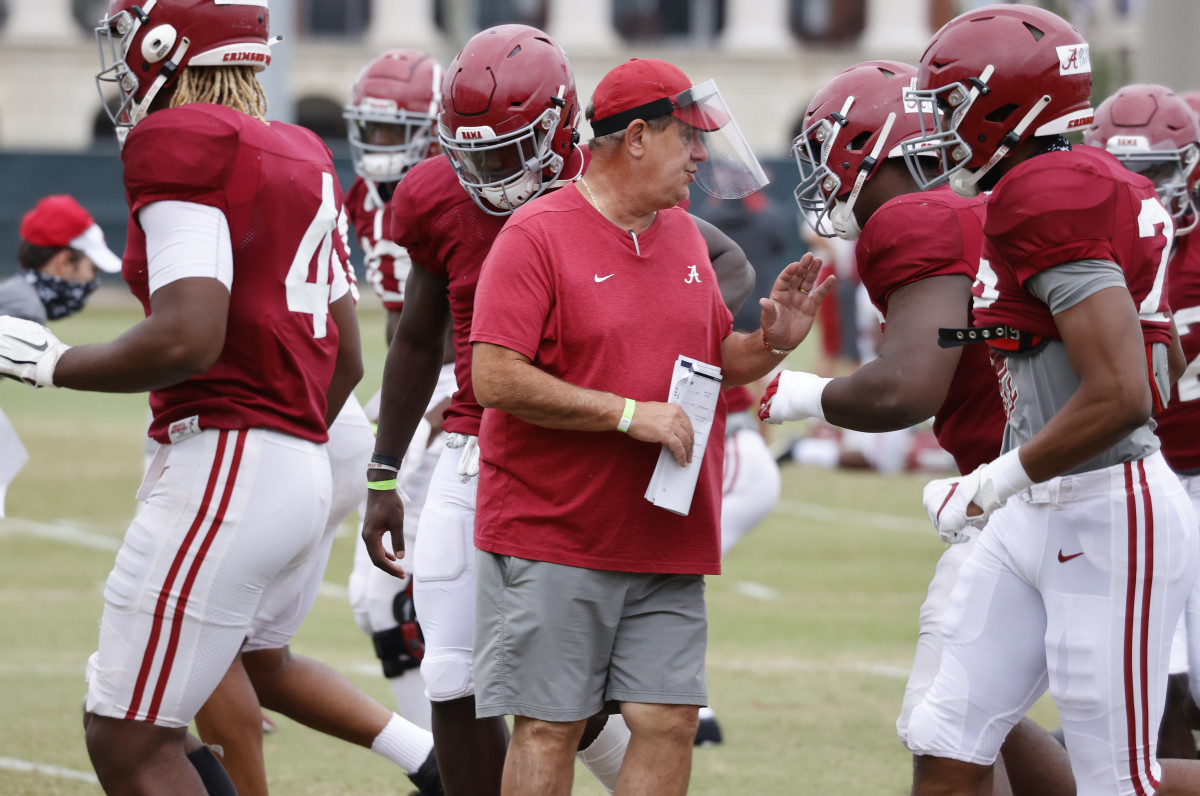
[[60, 533], [846, 517], [45, 669], [12, 764], [70, 535], [336, 590], [779, 663], [755, 591]]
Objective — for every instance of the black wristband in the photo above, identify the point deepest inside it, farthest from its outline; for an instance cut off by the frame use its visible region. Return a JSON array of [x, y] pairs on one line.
[[383, 458]]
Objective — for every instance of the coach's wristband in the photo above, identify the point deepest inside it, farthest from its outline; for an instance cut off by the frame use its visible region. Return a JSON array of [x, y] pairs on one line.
[[627, 416], [382, 486]]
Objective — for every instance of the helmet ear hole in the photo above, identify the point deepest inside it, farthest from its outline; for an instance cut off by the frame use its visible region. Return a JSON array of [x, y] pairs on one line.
[[158, 42], [860, 141], [1000, 114]]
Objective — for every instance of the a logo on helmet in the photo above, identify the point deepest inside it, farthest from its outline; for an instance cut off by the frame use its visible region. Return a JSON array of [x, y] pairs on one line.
[[1074, 59]]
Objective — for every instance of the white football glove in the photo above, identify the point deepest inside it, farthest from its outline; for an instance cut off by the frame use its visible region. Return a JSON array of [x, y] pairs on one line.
[[29, 351], [988, 487], [793, 395], [468, 459]]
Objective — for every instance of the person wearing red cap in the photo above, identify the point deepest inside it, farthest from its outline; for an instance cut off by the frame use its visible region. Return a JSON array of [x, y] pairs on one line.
[[60, 251], [588, 594]]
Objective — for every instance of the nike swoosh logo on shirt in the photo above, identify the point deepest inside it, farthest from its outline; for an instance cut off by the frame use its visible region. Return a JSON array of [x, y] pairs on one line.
[[599, 278], [41, 347], [1064, 559]]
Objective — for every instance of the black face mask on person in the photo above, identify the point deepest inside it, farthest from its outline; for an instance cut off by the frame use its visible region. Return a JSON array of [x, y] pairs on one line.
[[59, 296]]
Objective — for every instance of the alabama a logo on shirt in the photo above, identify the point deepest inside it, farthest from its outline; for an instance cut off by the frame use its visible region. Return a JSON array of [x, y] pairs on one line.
[[693, 275]]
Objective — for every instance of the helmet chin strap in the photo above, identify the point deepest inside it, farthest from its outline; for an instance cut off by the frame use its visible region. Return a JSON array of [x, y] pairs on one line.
[[166, 73], [967, 183], [842, 215]]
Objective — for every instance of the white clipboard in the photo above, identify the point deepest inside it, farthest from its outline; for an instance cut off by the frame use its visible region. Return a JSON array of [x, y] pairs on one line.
[[696, 387]]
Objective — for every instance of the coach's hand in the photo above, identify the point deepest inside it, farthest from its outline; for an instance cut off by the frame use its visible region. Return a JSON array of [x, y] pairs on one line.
[[29, 352], [666, 424], [385, 515], [954, 503]]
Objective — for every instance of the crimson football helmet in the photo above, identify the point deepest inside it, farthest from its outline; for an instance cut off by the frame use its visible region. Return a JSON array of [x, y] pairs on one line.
[[509, 116], [1155, 133], [990, 79], [855, 121], [144, 43], [392, 115]]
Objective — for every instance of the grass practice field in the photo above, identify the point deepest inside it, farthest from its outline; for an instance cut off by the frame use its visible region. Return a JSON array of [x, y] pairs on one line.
[[812, 624]]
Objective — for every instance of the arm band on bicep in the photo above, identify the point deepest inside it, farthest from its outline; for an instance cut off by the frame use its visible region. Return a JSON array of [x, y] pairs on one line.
[[185, 239]]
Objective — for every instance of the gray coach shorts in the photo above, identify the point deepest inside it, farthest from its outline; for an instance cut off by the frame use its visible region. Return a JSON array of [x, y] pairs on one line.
[[556, 643]]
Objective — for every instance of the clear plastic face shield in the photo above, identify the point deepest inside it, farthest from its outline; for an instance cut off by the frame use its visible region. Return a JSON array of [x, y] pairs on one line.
[[502, 172], [386, 141], [1168, 169], [731, 170]]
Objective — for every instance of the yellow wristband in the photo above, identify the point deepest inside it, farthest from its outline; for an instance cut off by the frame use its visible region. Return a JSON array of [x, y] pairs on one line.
[[382, 486], [627, 416]]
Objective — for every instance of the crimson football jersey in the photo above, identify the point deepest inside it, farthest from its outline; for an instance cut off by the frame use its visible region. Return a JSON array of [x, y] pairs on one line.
[[449, 236], [1179, 423], [1064, 206], [387, 264], [277, 188], [938, 233]]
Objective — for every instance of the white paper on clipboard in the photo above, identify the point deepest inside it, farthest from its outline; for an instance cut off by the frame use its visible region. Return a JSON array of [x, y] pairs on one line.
[[696, 387]]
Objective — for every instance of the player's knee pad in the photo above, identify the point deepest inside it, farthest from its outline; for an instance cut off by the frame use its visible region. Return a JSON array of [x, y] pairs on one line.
[[401, 648], [448, 674]]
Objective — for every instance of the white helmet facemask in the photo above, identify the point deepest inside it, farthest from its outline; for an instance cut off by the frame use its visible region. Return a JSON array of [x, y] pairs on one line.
[[502, 172]]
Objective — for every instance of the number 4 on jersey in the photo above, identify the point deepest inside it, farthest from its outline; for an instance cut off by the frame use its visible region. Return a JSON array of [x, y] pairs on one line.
[[308, 279]]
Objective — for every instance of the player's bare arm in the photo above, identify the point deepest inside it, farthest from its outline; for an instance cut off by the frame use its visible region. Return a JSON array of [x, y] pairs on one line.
[[409, 375], [348, 370], [507, 380], [181, 338], [734, 272], [1176, 359], [908, 381], [1104, 341], [787, 316]]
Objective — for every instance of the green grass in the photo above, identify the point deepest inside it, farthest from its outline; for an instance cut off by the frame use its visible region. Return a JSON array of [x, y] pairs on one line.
[[806, 676]]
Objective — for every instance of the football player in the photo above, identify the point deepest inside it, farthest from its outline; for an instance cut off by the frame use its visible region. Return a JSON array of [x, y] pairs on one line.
[[249, 349], [509, 130], [1154, 132], [1090, 546], [391, 121], [392, 124], [855, 185]]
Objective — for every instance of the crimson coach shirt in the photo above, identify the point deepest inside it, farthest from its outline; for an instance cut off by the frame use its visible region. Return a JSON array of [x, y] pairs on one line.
[[568, 289]]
